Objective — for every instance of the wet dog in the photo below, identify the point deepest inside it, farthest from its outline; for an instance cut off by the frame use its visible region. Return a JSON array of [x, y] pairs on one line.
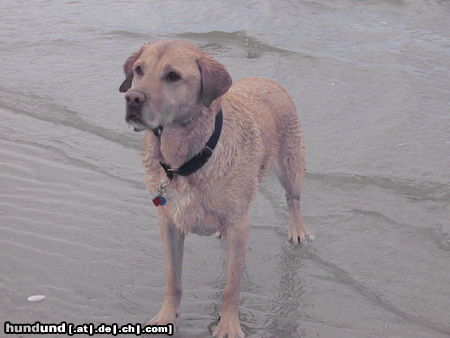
[[207, 144]]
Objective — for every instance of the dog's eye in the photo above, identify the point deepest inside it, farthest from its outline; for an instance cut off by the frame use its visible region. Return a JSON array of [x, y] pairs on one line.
[[139, 70], [173, 76]]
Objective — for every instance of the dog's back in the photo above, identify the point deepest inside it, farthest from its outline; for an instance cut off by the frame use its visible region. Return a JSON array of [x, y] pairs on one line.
[[265, 105]]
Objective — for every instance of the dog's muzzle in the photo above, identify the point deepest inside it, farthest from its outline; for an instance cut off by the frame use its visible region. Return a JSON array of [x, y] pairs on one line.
[[135, 100]]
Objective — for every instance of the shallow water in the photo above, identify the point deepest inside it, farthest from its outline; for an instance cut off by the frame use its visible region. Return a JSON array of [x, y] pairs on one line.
[[371, 82]]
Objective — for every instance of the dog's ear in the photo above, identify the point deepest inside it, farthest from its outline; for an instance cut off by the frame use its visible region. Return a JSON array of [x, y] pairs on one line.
[[126, 84], [215, 79], [128, 70]]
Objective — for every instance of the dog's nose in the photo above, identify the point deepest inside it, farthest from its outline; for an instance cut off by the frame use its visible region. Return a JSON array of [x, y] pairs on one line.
[[135, 97]]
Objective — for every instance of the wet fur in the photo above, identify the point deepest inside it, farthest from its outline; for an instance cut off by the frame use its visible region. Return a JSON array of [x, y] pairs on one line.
[[260, 131]]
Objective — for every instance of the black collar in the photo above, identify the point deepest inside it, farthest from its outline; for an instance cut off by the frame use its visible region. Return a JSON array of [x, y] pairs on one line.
[[157, 131], [201, 158]]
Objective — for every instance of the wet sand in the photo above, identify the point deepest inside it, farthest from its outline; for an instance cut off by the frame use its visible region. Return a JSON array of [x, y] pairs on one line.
[[77, 226]]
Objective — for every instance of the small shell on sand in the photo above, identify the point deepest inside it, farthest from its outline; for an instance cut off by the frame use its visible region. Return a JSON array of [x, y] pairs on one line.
[[36, 298]]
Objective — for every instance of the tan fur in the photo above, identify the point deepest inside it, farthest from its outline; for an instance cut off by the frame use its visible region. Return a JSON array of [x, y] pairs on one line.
[[260, 130]]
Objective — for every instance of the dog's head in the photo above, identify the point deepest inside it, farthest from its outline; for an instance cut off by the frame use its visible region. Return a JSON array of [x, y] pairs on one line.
[[169, 81]]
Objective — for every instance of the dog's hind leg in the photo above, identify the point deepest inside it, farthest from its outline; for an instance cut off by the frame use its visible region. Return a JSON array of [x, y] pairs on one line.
[[290, 167], [173, 243]]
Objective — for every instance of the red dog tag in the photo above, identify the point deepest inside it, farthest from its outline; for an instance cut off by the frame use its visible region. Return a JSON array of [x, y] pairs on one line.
[[159, 200]]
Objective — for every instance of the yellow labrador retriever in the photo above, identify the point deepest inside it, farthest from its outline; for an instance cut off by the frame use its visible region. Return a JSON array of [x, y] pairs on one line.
[[207, 144]]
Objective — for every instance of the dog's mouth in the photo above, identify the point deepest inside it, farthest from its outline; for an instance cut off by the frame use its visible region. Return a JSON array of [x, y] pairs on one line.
[[136, 122]]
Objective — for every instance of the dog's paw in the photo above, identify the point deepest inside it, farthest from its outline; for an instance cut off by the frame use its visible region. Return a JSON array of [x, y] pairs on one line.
[[230, 327], [165, 316], [299, 234]]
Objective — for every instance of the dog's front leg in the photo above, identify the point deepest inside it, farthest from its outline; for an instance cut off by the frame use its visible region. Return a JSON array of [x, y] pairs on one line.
[[236, 242], [173, 243]]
